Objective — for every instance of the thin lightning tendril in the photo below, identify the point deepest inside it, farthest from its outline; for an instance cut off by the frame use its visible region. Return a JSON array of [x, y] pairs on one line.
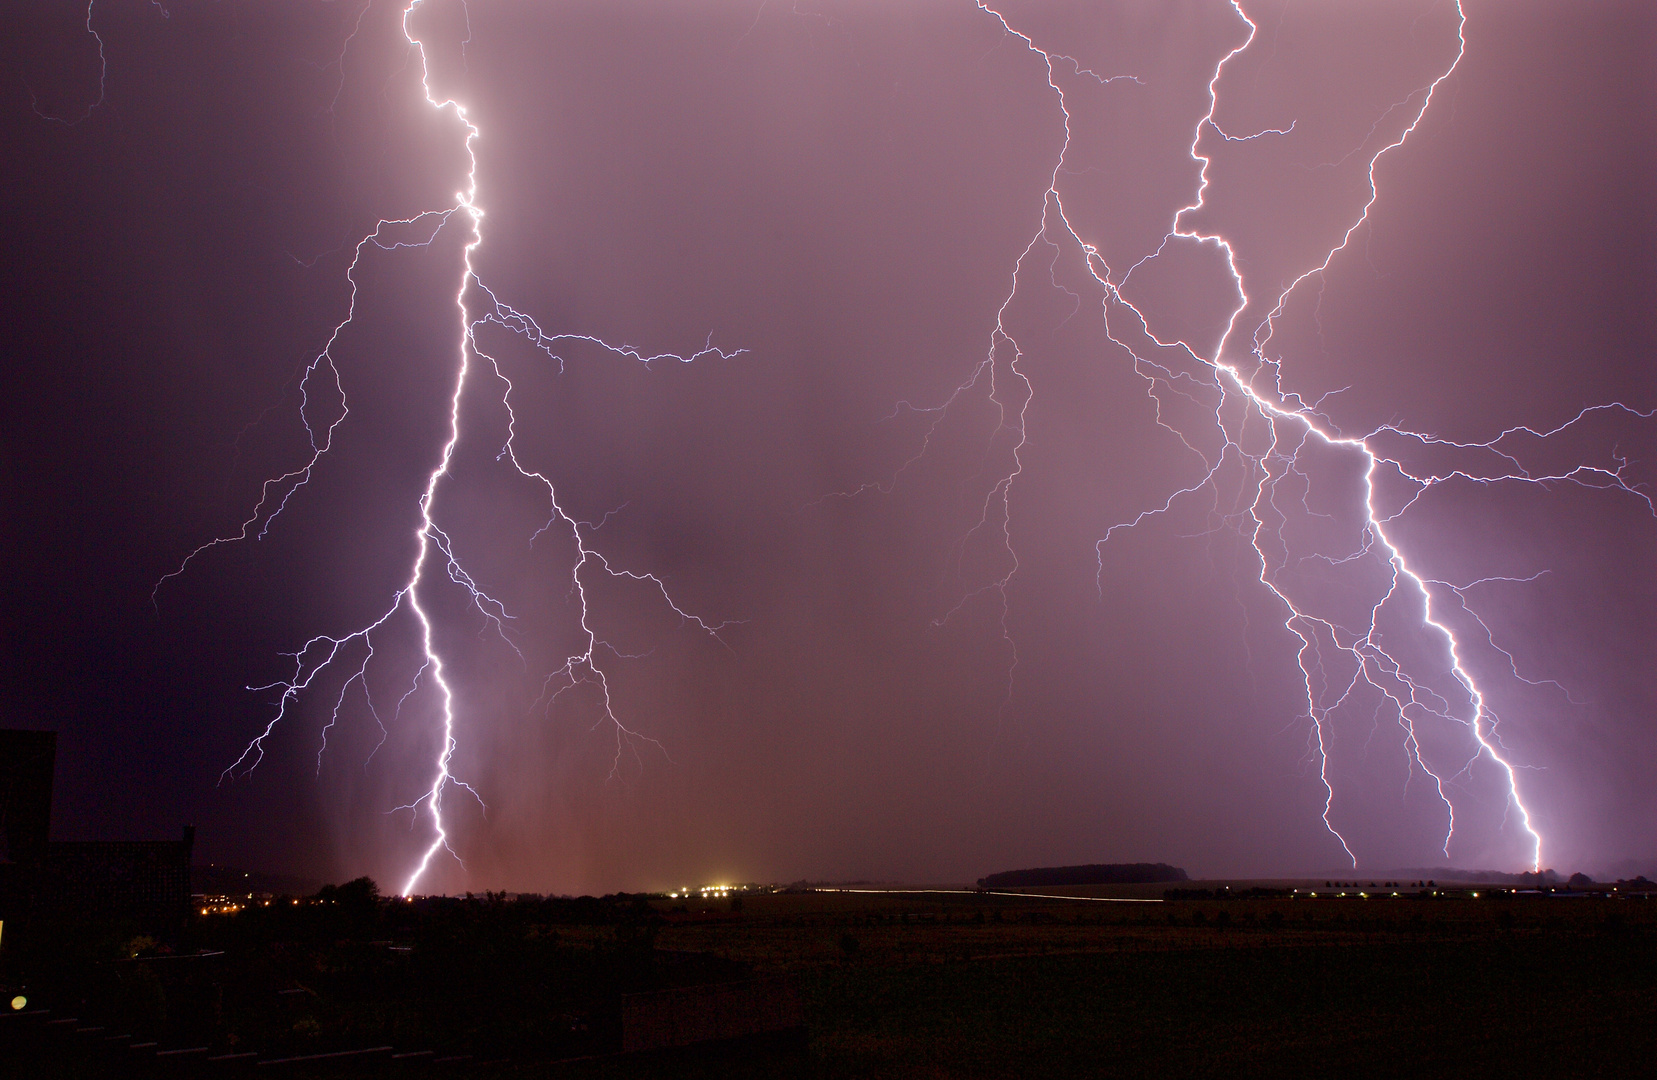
[[323, 408], [1291, 425], [1238, 398], [103, 76]]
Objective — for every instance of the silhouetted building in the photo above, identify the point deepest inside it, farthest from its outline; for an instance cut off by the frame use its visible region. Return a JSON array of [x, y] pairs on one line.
[[27, 759], [123, 877]]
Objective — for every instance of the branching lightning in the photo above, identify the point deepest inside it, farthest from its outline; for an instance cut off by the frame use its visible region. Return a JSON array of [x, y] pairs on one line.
[[1242, 390], [324, 407], [1252, 447]]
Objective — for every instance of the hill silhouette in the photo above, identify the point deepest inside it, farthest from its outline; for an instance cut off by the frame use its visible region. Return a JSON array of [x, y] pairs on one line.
[[1091, 874]]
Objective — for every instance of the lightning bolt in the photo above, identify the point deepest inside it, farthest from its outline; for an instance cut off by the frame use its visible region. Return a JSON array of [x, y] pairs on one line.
[[103, 75], [1266, 432], [994, 375], [324, 408], [1255, 444]]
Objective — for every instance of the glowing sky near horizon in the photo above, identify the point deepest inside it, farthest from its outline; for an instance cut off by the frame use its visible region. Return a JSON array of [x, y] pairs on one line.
[[817, 356]]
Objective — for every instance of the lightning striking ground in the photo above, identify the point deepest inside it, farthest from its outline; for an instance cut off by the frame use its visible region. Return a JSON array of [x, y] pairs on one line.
[[324, 408], [1252, 445], [1243, 389]]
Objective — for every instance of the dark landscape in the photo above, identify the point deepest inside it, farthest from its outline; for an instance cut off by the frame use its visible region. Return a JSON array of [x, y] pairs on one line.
[[1245, 978]]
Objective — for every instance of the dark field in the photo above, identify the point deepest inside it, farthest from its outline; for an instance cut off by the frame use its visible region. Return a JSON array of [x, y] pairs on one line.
[[892, 985]]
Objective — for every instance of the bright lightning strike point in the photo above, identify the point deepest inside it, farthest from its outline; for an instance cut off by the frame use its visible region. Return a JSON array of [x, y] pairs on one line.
[[1291, 426], [322, 653], [1234, 374]]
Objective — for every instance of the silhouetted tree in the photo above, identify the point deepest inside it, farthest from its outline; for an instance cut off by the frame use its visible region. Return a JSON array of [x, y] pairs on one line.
[[355, 903]]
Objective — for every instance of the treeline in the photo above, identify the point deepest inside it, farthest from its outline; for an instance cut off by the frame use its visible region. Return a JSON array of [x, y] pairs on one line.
[[1092, 874]]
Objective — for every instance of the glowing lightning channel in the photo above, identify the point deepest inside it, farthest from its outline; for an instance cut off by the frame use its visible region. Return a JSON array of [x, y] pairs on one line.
[[322, 652], [1011, 417], [466, 201], [1306, 627], [1291, 425], [103, 76]]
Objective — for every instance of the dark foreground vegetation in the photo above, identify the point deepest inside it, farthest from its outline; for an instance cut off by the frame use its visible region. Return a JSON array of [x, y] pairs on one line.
[[893, 985]]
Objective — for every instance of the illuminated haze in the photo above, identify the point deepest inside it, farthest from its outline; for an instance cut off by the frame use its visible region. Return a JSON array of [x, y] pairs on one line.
[[927, 665]]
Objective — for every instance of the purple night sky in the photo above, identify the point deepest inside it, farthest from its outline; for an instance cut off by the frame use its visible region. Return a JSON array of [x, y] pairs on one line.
[[930, 664]]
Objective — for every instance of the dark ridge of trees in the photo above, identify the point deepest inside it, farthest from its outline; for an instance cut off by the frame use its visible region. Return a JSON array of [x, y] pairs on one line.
[[1483, 877], [1092, 874]]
